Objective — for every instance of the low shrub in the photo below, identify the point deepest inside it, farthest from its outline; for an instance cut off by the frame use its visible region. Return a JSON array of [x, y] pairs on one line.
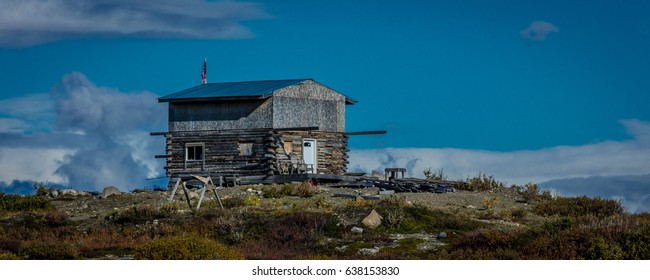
[[481, 182], [189, 247], [141, 213], [287, 189], [233, 202], [305, 190], [252, 200], [578, 206], [8, 256], [272, 192], [15, 203], [50, 251]]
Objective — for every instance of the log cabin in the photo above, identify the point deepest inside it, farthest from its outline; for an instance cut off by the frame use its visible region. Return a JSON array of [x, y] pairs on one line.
[[256, 129]]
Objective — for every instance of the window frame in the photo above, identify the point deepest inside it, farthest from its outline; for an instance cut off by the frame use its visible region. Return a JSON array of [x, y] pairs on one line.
[[194, 145]]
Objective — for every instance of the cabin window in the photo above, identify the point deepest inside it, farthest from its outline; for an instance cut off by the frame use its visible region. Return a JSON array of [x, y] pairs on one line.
[[245, 149], [194, 151]]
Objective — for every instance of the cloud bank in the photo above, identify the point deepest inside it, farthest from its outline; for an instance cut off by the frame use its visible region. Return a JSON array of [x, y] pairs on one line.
[[538, 30], [26, 23], [89, 136], [610, 158], [548, 166]]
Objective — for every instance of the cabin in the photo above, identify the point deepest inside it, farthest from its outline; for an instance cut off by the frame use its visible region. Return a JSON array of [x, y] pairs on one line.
[[256, 129]]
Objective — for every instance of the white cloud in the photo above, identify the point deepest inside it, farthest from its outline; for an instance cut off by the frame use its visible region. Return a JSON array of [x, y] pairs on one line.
[[97, 136], [610, 158], [32, 22], [538, 30], [31, 163]]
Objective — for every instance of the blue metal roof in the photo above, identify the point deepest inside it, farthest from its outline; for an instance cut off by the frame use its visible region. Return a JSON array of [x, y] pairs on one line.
[[233, 90]]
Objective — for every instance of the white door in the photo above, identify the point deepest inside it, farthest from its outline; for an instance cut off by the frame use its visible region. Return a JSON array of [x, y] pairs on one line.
[[309, 154]]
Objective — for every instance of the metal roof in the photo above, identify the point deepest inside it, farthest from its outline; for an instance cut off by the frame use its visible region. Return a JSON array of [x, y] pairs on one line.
[[233, 91]]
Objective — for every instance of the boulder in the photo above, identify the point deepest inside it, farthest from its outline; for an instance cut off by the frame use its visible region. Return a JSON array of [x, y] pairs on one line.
[[442, 235], [68, 192], [108, 191], [373, 220], [54, 193], [356, 230]]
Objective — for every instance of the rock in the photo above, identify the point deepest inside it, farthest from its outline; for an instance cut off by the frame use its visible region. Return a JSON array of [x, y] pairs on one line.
[[194, 195], [108, 191], [369, 251], [356, 230], [442, 235], [373, 220], [387, 192], [54, 193], [68, 192], [377, 175]]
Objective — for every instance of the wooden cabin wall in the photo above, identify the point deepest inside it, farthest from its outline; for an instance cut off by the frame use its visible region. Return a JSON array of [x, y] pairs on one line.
[[332, 151], [224, 115], [222, 152]]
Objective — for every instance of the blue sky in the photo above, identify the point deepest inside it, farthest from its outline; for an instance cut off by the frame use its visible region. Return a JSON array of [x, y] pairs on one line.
[[516, 80]]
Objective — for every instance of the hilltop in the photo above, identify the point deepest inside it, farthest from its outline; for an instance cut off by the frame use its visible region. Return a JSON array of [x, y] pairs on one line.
[[482, 219]]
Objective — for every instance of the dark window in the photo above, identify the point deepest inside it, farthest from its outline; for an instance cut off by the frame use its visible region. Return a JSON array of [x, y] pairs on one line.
[[194, 152]]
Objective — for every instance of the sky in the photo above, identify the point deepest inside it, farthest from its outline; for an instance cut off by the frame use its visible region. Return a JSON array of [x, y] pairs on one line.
[[530, 91]]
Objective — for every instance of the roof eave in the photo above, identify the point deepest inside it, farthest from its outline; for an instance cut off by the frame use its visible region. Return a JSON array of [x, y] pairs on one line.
[[229, 98]]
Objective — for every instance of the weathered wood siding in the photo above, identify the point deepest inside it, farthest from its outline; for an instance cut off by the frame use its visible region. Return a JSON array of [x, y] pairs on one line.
[[234, 114], [331, 150], [223, 151], [307, 104]]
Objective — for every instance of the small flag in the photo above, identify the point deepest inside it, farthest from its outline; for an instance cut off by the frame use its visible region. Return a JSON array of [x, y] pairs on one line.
[[204, 79]]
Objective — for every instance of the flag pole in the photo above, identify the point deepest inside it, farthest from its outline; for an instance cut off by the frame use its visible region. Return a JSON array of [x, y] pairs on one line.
[[204, 74]]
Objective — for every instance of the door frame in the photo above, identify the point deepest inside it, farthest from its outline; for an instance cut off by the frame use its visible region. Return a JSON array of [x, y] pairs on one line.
[[315, 152]]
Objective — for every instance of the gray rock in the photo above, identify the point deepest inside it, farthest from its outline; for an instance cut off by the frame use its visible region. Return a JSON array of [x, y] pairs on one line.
[[442, 235], [373, 220], [356, 230], [68, 192], [54, 193], [108, 191]]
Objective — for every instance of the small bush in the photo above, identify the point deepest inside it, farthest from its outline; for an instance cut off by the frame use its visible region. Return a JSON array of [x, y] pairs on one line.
[[189, 247], [233, 202], [578, 206], [50, 251], [136, 214], [56, 218], [229, 228], [481, 182], [15, 203], [11, 245], [272, 192], [489, 203], [8, 256], [287, 189], [434, 176], [252, 200], [305, 190], [169, 209]]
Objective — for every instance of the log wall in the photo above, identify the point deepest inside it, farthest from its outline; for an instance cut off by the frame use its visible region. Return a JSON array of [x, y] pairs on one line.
[[225, 151]]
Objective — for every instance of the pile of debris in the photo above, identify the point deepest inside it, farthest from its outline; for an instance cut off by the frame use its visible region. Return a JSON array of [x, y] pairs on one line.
[[404, 185]]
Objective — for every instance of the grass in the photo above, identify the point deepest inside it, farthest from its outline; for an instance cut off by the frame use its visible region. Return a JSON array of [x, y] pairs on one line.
[[296, 225]]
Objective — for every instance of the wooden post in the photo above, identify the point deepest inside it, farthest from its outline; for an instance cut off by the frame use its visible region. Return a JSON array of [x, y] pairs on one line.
[[187, 196], [171, 197]]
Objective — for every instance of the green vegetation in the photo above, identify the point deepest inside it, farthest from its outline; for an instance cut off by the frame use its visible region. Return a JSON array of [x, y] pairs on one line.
[[185, 248], [16, 203], [294, 221]]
